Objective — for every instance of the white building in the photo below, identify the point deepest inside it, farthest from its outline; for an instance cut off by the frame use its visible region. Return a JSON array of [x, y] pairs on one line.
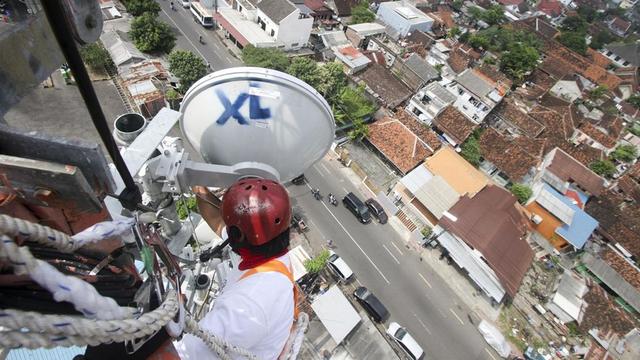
[[403, 17], [268, 23], [476, 95], [427, 103]]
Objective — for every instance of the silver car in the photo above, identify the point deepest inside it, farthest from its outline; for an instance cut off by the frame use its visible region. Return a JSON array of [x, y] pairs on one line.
[[408, 344]]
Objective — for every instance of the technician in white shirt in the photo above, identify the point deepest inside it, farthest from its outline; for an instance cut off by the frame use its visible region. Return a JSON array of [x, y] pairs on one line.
[[255, 309]]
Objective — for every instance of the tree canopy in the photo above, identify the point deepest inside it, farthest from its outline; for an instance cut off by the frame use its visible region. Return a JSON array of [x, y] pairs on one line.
[[317, 263], [494, 15], [634, 100], [471, 148], [519, 61], [602, 38], [574, 23], [139, 7], [522, 192], [270, 58], [361, 13], [95, 55], [574, 40], [305, 69], [625, 153], [150, 35], [603, 168], [352, 105], [187, 66]]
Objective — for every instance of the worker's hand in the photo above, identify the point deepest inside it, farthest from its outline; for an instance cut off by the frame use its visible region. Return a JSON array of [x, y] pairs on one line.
[[209, 207]]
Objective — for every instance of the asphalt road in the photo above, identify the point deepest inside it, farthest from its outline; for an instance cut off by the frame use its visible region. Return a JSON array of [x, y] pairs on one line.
[[416, 297], [187, 31]]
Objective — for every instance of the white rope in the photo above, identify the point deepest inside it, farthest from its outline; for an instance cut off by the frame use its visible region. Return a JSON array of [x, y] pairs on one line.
[[84, 297], [49, 237], [219, 345]]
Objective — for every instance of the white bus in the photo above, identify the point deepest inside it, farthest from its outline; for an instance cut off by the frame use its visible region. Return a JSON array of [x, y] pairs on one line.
[[201, 15]]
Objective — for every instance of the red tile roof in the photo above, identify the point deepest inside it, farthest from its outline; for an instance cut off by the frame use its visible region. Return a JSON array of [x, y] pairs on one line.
[[597, 135], [404, 148], [491, 223], [423, 132], [461, 57], [454, 124], [628, 272], [506, 155], [569, 169], [510, 112], [619, 219], [620, 25], [603, 314], [552, 8], [391, 90]]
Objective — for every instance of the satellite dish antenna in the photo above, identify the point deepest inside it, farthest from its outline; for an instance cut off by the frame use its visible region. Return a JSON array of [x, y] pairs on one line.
[[245, 116]]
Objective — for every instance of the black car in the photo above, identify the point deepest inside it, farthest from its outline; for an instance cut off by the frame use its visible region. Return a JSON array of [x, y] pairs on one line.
[[299, 180], [377, 211], [355, 205], [371, 304]]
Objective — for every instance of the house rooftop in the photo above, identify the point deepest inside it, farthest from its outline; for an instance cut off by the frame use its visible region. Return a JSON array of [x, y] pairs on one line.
[[491, 223], [453, 123], [475, 83], [629, 272], [597, 135], [432, 191], [440, 92], [507, 155], [276, 10], [619, 220], [244, 31], [367, 29], [409, 12], [462, 176], [383, 83], [421, 67], [629, 52], [569, 169], [508, 111]]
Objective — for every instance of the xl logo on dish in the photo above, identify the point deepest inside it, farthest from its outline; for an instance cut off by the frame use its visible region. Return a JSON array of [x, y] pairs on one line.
[[232, 110]]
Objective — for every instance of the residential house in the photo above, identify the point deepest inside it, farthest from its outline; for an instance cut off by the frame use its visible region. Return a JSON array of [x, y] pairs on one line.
[[384, 86], [122, 52], [453, 126], [353, 60], [560, 219], [551, 8], [359, 34], [509, 158], [592, 136], [415, 72], [403, 18], [509, 117], [432, 188], [144, 82], [267, 23], [485, 235], [461, 57], [629, 184], [619, 26], [476, 94], [402, 141], [624, 55], [618, 273], [569, 176], [391, 49], [320, 12], [427, 103], [420, 42], [567, 302], [568, 90]]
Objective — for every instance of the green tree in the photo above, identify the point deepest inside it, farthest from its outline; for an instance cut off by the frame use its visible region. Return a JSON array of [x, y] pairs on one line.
[[361, 13], [471, 148], [457, 4], [187, 66], [359, 131], [588, 13], [305, 69], [625, 153], [574, 23], [494, 15], [270, 58], [519, 61], [187, 205], [139, 7], [598, 92], [521, 192], [453, 32], [354, 104], [601, 39], [479, 42], [95, 55], [574, 41], [317, 263], [634, 100], [603, 168], [151, 35], [332, 80]]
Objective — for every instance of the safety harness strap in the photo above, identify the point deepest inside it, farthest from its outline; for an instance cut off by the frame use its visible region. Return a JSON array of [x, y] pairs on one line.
[[275, 265]]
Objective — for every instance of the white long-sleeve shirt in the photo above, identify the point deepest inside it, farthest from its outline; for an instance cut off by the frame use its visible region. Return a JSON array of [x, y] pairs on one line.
[[255, 313]]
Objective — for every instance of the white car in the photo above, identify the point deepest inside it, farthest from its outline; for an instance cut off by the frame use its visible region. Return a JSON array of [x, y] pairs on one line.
[[186, 4], [339, 267], [405, 341]]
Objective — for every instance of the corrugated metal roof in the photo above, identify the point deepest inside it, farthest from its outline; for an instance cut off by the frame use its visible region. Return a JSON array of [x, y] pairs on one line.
[[613, 280], [121, 51], [59, 353], [437, 196], [416, 178], [568, 297], [336, 313]]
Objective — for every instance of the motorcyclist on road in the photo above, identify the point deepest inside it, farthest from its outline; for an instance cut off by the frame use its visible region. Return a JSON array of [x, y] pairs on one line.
[[171, 5]]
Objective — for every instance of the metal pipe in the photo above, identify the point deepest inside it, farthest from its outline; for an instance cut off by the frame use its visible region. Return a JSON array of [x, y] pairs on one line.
[[64, 36]]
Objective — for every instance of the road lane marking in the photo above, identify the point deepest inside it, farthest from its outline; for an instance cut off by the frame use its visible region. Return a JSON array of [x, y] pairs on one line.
[[397, 248], [425, 280], [321, 171], [185, 35], [421, 323], [489, 352], [389, 251], [354, 241], [325, 168], [456, 315], [345, 190], [443, 314]]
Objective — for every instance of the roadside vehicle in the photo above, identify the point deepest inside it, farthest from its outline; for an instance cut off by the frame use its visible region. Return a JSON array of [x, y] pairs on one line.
[[355, 205], [371, 304], [300, 180], [377, 211], [201, 15], [408, 344], [186, 4], [339, 267]]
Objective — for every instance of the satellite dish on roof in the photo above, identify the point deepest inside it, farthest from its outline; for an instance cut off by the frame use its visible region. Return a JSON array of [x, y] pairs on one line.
[[247, 114]]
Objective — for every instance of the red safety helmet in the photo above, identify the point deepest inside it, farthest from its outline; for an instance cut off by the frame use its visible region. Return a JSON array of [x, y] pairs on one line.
[[259, 208]]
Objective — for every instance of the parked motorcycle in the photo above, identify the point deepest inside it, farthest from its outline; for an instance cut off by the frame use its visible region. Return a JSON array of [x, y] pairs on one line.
[[332, 200]]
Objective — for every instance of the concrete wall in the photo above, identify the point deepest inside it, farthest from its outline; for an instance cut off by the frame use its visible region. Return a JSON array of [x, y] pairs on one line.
[[473, 112], [295, 31], [390, 17]]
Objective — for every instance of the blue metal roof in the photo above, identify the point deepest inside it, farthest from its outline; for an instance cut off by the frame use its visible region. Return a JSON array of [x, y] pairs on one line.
[[582, 225], [59, 353]]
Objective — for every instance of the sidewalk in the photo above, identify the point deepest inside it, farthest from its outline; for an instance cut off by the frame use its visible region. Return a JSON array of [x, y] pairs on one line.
[[459, 283], [231, 47]]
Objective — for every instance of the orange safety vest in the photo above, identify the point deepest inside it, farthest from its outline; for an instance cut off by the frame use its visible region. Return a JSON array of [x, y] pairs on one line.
[[275, 265]]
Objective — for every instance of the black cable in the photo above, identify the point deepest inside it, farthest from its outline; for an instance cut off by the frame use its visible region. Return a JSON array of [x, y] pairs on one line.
[[61, 29]]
